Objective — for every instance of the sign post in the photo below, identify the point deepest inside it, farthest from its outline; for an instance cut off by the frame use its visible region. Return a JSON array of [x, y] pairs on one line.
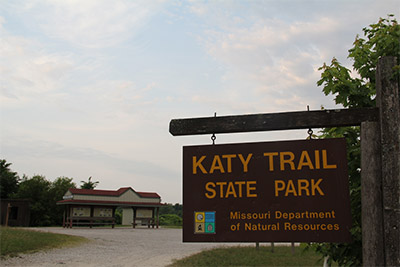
[[380, 150]]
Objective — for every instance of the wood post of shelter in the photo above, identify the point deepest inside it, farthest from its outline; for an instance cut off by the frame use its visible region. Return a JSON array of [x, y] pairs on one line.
[[380, 150], [8, 213]]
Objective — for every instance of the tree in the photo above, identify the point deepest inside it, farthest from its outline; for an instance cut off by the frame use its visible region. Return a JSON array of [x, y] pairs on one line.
[[8, 180], [178, 209], [170, 219], [382, 39], [36, 189], [89, 184], [43, 196], [171, 209], [57, 190]]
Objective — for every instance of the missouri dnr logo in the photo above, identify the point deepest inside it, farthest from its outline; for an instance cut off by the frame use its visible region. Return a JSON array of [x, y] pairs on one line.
[[204, 222]]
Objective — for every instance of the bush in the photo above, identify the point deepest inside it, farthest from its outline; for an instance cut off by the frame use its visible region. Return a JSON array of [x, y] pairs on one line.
[[118, 216], [171, 220]]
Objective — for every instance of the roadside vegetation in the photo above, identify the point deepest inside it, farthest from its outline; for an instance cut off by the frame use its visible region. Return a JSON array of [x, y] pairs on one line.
[[250, 256], [171, 215], [170, 220], [15, 241], [42, 194]]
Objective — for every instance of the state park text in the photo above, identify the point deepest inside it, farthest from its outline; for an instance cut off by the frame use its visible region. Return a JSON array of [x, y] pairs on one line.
[[292, 184], [286, 160]]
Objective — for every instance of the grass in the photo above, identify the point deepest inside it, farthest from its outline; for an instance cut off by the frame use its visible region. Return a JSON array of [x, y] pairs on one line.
[[14, 241], [249, 256], [171, 226]]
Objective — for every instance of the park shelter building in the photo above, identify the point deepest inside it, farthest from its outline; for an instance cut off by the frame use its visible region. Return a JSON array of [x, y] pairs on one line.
[[93, 207]]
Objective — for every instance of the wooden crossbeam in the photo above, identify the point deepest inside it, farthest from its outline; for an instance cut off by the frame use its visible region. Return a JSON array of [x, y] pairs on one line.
[[273, 121]]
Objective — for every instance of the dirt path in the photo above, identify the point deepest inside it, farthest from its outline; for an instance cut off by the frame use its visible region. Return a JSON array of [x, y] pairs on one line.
[[115, 247]]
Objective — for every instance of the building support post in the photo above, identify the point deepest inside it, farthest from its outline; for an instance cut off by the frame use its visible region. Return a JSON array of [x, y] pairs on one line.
[[113, 216], [153, 217], [158, 217], [134, 217], [70, 215], [64, 217], [91, 216], [8, 213]]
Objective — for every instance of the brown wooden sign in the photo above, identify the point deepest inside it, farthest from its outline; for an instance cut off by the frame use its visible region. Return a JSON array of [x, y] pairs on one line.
[[290, 191]]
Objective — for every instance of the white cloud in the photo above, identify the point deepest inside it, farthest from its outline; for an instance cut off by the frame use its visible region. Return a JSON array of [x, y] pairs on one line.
[[28, 71], [267, 42], [276, 57], [89, 23], [42, 67]]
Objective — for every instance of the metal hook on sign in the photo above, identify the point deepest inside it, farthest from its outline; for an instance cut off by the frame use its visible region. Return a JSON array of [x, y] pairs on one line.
[[213, 137], [310, 131]]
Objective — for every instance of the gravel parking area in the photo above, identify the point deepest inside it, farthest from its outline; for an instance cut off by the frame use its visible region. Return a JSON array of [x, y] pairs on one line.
[[115, 247]]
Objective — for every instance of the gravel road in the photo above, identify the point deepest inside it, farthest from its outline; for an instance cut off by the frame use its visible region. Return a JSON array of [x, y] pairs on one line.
[[115, 247]]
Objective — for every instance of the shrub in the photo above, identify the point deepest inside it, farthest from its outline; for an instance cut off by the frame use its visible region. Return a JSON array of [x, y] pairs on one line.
[[170, 219]]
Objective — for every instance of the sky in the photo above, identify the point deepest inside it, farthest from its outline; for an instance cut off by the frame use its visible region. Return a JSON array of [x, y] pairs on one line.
[[88, 88]]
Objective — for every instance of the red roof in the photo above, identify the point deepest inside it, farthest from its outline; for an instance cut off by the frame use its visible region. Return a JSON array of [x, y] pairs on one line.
[[112, 203], [113, 193]]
